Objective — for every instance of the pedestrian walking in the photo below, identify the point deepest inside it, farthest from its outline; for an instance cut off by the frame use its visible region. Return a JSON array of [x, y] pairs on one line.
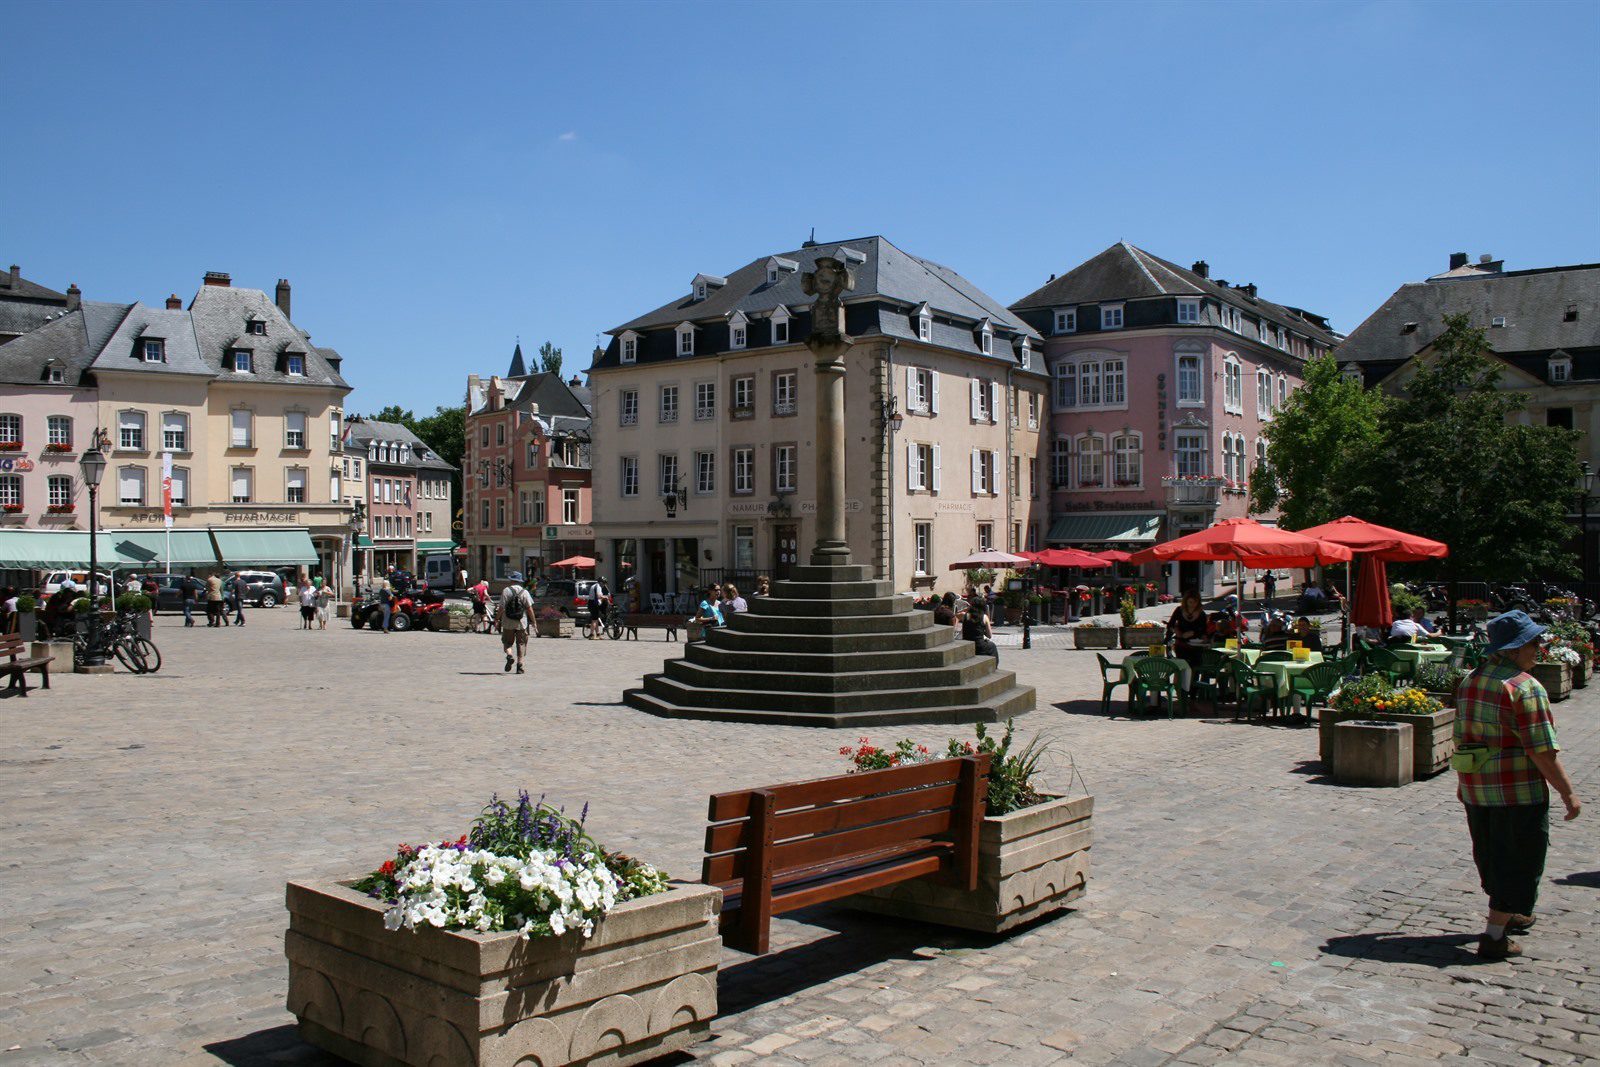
[[324, 600], [190, 590], [1269, 586], [515, 608], [1506, 761], [599, 598], [240, 591], [308, 604], [385, 601], [214, 600]]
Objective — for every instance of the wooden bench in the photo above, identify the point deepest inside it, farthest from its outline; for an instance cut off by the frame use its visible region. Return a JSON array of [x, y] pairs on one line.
[[13, 646], [786, 847]]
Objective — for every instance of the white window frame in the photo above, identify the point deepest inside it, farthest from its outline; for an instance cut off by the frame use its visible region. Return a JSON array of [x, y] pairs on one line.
[[738, 332], [628, 407], [1263, 393], [1111, 316], [571, 507], [705, 401], [1065, 385], [1127, 449], [289, 486], [11, 490], [628, 351], [243, 361], [294, 365], [1061, 463], [667, 473], [174, 431], [780, 326], [1232, 384], [11, 428], [58, 430], [249, 428], [925, 328], [667, 412], [58, 490], [986, 340], [744, 396], [144, 487], [985, 536], [922, 547], [126, 424], [249, 484], [685, 340], [1182, 397], [705, 472], [1283, 393], [154, 350], [1561, 369], [1089, 470], [785, 392], [784, 460], [1190, 443], [289, 440], [1100, 377], [744, 470], [1066, 320], [1188, 310], [180, 487]]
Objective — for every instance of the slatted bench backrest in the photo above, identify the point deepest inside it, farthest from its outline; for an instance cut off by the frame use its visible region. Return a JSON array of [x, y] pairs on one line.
[[790, 846], [12, 645]]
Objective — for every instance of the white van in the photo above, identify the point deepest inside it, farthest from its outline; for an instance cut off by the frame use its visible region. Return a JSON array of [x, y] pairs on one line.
[[53, 580]]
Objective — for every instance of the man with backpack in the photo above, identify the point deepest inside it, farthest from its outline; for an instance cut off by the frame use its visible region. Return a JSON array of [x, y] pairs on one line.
[[516, 606]]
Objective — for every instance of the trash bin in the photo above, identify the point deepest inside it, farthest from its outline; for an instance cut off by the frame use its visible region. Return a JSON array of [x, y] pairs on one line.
[[1372, 753]]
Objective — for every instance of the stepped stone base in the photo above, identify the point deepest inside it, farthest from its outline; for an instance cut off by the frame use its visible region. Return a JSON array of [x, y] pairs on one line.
[[833, 647]]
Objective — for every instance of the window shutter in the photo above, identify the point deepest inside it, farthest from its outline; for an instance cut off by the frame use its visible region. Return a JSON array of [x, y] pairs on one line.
[[132, 487], [977, 461], [912, 481], [973, 386], [912, 399], [935, 468], [180, 485], [241, 482], [933, 376], [994, 401]]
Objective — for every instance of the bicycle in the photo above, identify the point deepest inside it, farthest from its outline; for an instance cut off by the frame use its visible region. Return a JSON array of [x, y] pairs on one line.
[[120, 637], [485, 622], [614, 622]]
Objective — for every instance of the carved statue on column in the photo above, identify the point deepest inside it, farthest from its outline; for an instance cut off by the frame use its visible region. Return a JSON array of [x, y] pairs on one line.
[[828, 283]]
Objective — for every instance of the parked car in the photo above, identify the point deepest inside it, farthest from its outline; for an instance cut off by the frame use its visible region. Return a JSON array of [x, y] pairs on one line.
[[571, 596], [266, 587], [53, 580], [170, 591]]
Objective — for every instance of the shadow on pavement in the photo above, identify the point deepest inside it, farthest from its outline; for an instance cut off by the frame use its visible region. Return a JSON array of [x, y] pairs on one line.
[[271, 1048], [1430, 950], [1586, 879]]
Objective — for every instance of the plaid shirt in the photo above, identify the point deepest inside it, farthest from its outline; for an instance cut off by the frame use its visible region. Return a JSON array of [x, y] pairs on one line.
[[1495, 695]]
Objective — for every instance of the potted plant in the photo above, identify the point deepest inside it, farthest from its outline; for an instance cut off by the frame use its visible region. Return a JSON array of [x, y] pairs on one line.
[[1554, 670], [1373, 697], [523, 941], [137, 605], [458, 618], [1094, 634], [28, 618], [57, 448], [1473, 609], [1033, 842], [1438, 680], [552, 623], [1143, 635], [1013, 599], [61, 509], [1569, 633]]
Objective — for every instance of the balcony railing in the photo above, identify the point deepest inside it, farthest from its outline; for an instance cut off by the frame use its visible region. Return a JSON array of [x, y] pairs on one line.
[[783, 407], [1193, 491]]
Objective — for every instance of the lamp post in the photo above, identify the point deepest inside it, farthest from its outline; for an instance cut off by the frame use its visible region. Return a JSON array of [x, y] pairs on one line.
[[1587, 480], [93, 466], [358, 522], [676, 498]]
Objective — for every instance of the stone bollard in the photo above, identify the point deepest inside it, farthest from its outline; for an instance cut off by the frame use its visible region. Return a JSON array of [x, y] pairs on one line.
[[1372, 753]]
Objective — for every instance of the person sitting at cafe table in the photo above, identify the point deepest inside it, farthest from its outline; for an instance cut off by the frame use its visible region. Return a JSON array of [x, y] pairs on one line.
[[1228, 622], [1408, 628], [1274, 634], [1188, 629], [1308, 635]]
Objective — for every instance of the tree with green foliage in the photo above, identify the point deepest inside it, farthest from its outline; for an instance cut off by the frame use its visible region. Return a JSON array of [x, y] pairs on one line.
[[395, 413], [1323, 448], [549, 358], [444, 432]]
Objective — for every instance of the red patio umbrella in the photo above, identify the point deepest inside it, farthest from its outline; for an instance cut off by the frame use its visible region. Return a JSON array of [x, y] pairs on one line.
[[1376, 545], [1113, 555], [1069, 557], [583, 562], [1248, 542]]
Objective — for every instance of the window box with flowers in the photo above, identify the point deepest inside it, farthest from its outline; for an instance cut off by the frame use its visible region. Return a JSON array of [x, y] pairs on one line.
[[57, 448], [10, 446], [1033, 842], [523, 941], [61, 509], [11, 509]]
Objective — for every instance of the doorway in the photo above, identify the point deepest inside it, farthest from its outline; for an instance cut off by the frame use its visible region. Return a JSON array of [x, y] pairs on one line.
[[1188, 576], [785, 550]]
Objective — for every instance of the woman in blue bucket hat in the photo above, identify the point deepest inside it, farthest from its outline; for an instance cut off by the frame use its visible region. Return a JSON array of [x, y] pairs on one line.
[[1506, 761]]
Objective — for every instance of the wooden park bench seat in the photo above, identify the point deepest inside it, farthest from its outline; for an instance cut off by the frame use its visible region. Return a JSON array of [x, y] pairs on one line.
[[18, 663], [786, 847]]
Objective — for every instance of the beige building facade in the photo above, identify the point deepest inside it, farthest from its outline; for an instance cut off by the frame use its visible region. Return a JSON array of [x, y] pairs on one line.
[[704, 440]]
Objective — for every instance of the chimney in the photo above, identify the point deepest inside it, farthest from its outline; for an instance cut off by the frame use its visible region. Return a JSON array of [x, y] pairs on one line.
[[281, 297], [1458, 260], [1202, 268], [16, 276], [576, 382], [74, 297], [218, 277], [1249, 289], [174, 302]]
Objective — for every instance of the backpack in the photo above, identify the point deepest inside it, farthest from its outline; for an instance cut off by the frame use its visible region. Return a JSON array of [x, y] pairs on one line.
[[384, 595], [512, 606]]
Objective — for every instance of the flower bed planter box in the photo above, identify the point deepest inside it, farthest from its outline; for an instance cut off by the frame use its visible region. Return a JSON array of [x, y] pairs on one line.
[[561, 627], [1580, 675], [1143, 636], [1094, 637], [644, 986], [1030, 863], [1556, 679], [458, 622], [1432, 736], [28, 625]]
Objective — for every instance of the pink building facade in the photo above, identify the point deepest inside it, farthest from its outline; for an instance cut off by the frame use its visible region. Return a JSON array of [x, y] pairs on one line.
[[1163, 383]]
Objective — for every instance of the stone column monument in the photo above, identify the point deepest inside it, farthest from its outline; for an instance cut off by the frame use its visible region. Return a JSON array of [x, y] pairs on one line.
[[828, 343]]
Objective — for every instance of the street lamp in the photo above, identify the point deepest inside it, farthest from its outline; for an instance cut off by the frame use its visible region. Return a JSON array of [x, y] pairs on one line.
[[1587, 478], [93, 466], [358, 522], [675, 497], [889, 412]]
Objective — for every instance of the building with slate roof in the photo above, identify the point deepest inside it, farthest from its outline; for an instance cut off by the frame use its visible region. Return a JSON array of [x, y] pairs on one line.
[[404, 487], [249, 410], [526, 486], [1163, 381], [703, 454], [26, 305]]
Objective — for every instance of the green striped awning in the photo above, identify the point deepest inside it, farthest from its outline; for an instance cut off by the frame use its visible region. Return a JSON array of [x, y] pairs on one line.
[[363, 541], [436, 546], [148, 548], [264, 548], [49, 549], [1096, 528]]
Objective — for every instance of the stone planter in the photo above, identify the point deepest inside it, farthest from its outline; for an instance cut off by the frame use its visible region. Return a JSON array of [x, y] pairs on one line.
[[561, 627], [341, 610], [1432, 743], [141, 624], [1143, 636], [1013, 616], [1030, 863], [1556, 679], [1094, 637], [644, 986], [28, 625], [458, 622], [1580, 674], [438, 621]]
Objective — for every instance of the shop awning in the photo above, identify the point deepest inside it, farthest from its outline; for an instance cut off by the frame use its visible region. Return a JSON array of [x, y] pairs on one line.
[[147, 549], [1108, 528], [264, 548], [436, 546], [363, 541], [49, 549]]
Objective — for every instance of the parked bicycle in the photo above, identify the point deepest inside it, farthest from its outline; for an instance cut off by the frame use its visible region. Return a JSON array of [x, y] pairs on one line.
[[119, 637], [614, 622]]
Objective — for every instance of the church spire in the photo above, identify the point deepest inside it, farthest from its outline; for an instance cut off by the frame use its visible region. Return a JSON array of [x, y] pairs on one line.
[[518, 368]]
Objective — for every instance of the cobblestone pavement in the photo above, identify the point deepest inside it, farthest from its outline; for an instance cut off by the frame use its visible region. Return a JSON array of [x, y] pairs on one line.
[[1241, 908]]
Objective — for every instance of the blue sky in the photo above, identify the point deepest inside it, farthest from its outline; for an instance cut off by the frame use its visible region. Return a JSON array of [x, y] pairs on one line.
[[436, 180]]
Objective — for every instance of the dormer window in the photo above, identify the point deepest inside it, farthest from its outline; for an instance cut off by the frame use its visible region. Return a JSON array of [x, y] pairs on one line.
[[155, 350], [738, 331], [1066, 320], [243, 361], [986, 338], [630, 347], [1409, 327], [1571, 314], [294, 364], [780, 326], [1498, 321], [1111, 316], [924, 327], [703, 284], [685, 339], [1561, 369], [55, 373], [1188, 311], [777, 267], [257, 327]]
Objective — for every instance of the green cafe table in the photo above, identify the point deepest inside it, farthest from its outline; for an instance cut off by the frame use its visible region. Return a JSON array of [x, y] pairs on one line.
[[1419, 654], [1185, 672], [1283, 670]]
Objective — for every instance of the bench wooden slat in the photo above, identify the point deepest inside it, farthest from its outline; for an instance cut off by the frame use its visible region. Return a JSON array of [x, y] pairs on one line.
[[725, 837], [804, 851], [736, 805], [790, 884]]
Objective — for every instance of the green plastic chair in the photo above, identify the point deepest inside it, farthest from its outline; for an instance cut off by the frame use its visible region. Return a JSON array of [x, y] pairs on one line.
[[1387, 663], [1111, 676], [1315, 685], [1250, 683], [1156, 675], [1212, 676], [1275, 657]]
